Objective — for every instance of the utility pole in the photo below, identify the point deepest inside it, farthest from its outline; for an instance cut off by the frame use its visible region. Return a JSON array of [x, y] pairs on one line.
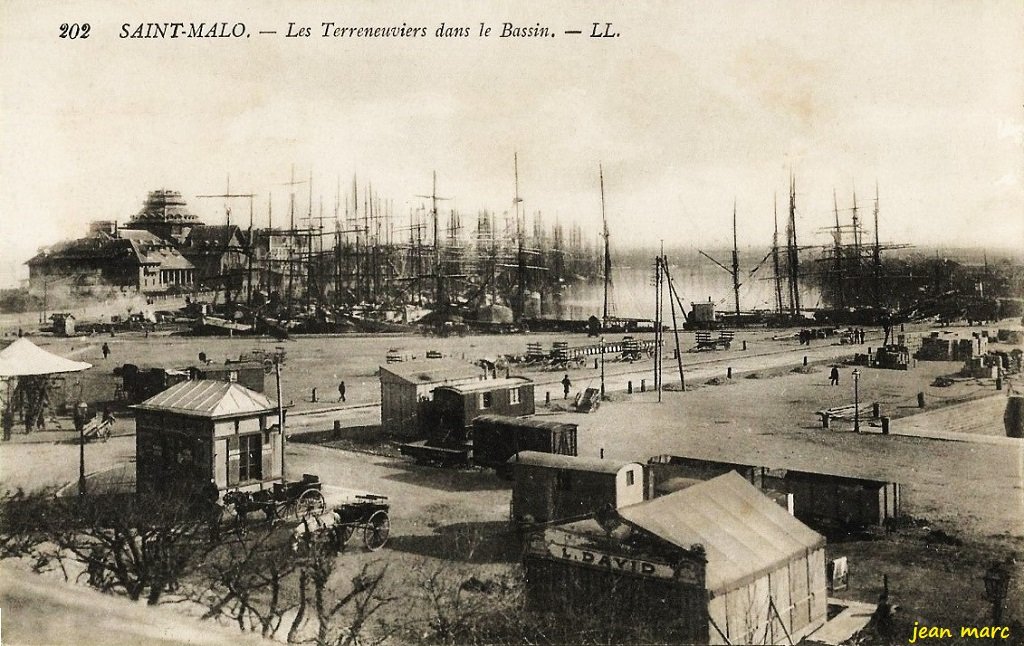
[[660, 356], [607, 253], [672, 298]]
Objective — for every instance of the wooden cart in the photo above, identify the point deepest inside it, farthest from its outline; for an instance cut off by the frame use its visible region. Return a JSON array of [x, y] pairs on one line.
[[367, 513]]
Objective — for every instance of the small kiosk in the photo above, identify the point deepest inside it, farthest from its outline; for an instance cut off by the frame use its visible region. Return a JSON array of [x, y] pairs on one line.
[[198, 431]]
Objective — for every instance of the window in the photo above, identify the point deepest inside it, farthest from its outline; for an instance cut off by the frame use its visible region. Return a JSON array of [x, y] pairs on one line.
[[250, 458], [513, 396], [629, 478], [485, 400]]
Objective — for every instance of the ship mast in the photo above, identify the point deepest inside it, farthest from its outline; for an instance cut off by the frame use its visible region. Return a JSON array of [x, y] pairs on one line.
[[793, 253], [877, 257], [733, 271], [520, 232], [735, 264], [775, 256]]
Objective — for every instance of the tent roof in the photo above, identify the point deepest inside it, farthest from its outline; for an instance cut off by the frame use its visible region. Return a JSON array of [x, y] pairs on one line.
[[744, 534], [207, 398], [23, 358]]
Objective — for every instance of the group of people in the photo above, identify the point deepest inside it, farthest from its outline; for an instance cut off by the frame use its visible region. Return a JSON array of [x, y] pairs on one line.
[[856, 334]]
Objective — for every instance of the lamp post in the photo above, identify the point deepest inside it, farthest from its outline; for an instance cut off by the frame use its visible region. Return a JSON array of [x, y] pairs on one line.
[[602, 368], [856, 400], [81, 411], [997, 582]]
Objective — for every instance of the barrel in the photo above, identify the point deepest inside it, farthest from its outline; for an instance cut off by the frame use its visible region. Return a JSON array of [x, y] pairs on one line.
[[1013, 418]]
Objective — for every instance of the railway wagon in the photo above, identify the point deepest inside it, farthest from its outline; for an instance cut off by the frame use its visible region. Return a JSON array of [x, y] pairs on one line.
[[446, 421], [548, 487], [829, 501], [496, 438]]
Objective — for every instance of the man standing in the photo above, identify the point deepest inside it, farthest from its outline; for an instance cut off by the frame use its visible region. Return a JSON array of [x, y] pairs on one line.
[[566, 385], [106, 350], [341, 391], [833, 377]]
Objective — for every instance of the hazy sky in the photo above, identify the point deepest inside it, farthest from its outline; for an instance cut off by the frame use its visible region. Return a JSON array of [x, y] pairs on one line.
[[692, 106]]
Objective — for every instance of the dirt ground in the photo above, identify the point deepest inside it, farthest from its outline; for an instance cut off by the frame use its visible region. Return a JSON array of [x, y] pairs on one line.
[[323, 361], [966, 497]]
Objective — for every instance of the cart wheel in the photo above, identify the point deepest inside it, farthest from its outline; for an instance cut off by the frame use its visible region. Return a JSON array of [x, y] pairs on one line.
[[310, 503], [377, 530]]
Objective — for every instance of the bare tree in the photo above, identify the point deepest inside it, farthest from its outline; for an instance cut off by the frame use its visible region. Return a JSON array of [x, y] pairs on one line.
[[140, 547]]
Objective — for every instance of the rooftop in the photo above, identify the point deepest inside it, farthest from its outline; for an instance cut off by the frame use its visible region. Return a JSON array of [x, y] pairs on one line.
[[165, 206], [489, 384], [744, 534], [210, 399], [433, 371], [567, 462]]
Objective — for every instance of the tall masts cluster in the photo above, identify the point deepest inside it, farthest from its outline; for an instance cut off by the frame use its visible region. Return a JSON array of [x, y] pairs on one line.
[[373, 258], [850, 264]]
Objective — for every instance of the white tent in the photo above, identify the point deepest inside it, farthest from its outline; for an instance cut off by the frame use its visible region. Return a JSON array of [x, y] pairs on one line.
[[24, 358]]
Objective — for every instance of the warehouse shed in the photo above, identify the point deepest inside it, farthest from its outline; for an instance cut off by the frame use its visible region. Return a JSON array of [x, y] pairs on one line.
[[716, 563], [404, 386]]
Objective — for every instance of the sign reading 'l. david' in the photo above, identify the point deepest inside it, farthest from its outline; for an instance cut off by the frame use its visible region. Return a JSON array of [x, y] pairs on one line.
[[616, 563]]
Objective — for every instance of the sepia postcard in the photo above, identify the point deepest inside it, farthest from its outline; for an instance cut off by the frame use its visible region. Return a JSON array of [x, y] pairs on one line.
[[570, 322]]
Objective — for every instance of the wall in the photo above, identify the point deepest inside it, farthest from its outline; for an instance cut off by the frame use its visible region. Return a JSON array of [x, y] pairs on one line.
[[743, 615], [227, 451], [171, 450]]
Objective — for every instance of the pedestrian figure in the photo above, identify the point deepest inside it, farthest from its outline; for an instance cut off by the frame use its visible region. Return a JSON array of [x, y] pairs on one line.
[[314, 394], [341, 391], [833, 377], [566, 384], [106, 350]]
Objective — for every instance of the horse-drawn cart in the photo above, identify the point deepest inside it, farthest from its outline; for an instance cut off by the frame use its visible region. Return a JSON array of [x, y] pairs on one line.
[[286, 501], [369, 514], [366, 513], [301, 505]]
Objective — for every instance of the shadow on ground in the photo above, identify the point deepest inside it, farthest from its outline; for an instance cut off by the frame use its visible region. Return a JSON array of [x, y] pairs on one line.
[[480, 542], [448, 478]]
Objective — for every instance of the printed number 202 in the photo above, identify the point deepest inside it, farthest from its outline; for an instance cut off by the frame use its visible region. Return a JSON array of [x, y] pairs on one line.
[[74, 30]]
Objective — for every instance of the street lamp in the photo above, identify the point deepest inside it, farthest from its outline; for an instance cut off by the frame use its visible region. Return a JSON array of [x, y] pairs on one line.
[[856, 400], [602, 368], [80, 415], [997, 582]]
